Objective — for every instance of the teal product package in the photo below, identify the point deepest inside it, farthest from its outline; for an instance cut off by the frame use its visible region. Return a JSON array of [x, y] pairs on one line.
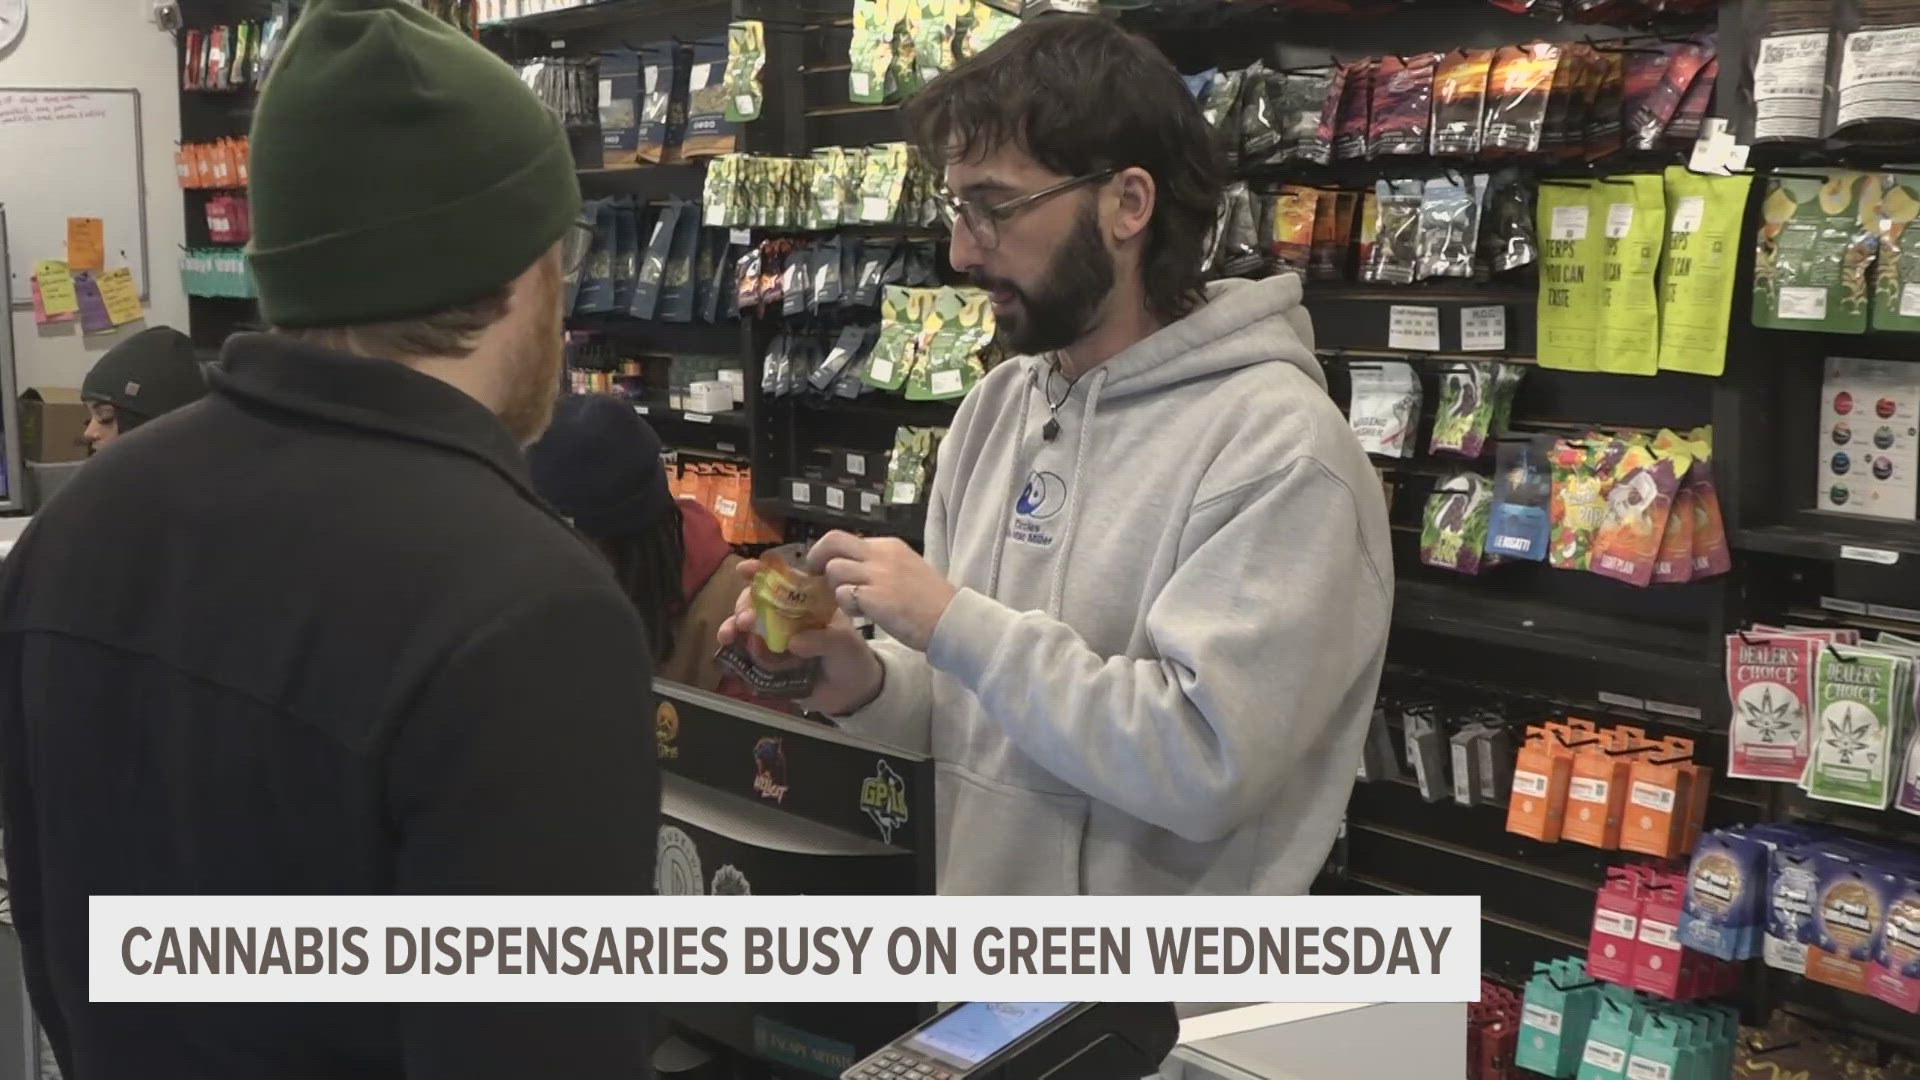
[[1610, 1039], [1555, 1016]]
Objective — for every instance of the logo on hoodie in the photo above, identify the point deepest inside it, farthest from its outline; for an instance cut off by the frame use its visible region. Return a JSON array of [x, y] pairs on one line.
[[884, 797], [1044, 496]]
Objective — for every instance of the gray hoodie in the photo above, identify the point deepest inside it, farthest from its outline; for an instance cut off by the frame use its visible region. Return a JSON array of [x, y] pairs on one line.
[[1158, 671]]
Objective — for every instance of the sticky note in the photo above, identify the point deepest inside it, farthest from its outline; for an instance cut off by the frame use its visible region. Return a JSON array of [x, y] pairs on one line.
[[86, 243], [121, 296], [56, 289], [93, 309]]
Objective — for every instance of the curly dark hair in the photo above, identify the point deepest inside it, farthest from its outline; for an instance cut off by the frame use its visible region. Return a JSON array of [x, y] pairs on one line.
[[1080, 94]]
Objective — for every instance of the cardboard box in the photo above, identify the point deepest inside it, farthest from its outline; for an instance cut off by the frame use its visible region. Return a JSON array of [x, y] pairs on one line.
[[709, 396], [52, 419]]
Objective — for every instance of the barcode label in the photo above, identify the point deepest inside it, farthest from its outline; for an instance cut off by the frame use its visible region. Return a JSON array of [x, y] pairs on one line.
[[1601, 1055], [1615, 923], [1652, 796], [802, 493], [1641, 1069], [1529, 783], [1546, 1020], [1585, 789], [1658, 934], [836, 499], [726, 507]]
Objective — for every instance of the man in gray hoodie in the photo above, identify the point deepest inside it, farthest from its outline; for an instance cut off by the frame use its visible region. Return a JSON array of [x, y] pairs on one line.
[[1144, 642]]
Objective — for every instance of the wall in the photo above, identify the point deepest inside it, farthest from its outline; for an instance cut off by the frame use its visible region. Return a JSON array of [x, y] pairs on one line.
[[113, 44]]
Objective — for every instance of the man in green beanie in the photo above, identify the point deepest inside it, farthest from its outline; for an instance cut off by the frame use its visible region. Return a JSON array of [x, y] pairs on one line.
[[153, 372], [320, 636]]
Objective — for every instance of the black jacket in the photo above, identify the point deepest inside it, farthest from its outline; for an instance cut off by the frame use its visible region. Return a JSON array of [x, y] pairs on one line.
[[315, 634]]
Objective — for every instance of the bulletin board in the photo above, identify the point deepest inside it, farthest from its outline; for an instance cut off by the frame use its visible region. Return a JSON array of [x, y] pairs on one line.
[[72, 153]]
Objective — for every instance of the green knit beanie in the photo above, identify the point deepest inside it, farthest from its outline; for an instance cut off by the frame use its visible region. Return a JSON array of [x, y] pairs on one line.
[[398, 169]]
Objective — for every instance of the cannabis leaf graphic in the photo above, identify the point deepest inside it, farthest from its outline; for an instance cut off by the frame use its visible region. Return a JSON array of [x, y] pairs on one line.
[[1767, 718], [1847, 739]]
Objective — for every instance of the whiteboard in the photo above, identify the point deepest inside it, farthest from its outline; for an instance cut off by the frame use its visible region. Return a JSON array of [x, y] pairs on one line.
[[72, 153]]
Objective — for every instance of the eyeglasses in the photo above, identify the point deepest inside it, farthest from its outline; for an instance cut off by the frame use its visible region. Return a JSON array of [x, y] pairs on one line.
[[984, 221], [575, 247]]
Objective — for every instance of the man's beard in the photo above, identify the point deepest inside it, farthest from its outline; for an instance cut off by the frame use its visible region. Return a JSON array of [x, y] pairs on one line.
[[1062, 308], [538, 357]]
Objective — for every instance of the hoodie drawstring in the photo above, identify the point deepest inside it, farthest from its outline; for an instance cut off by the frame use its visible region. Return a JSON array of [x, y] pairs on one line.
[[1056, 593], [1020, 483]]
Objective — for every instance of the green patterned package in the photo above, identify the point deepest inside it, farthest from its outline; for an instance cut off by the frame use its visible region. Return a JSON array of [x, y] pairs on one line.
[[746, 56], [1896, 277], [907, 467], [1815, 245], [720, 201], [983, 25], [933, 36], [823, 209], [875, 23], [892, 357], [1570, 251], [1698, 268], [939, 377], [1861, 698], [1633, 210], [1454, 531], [883, 183], [853, 172]]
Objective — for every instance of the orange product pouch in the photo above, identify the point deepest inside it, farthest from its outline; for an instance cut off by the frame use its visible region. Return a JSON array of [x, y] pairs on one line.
[[1659, 801], [1597, 789]]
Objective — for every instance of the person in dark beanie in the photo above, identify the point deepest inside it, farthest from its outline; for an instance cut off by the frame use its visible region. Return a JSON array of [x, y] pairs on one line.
[[153, 372], [600, 465], [320, 636]]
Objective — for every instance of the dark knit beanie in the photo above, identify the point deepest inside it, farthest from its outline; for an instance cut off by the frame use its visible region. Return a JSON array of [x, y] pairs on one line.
[[599, 465], [153, 372], [398, 168]]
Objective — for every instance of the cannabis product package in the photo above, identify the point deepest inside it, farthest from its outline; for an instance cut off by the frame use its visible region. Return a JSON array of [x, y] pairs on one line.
[[1460, 100], [1877, 98], [1521, 82], [1605, 133], [1454, 532], [1523, 490], [1367, 236], [1788, 57], [1304, 103], [1395, 258], [1402, 113], [1867, 453], [1634, 231], [1222, 112], [1645, 66], [875, 24], [1862, 700], [626, 253], [1650, 116], [1770, 686], [1385, 409], [1292, 223], [883, 183], [1698, 268], [1507, 238], [1700, 497], [1896, 276], [619, 107], [746, 57], [1474, 402], [1565, 122], [1571, 248], [947, 373], [907, 469], [1234, 248], [1332, 233], [891, 360], [1815, 246], [1628, 542], [1582, 477], [663, 107], [1690, 118], [676, 282], [709, 132], [1449, 226], [936, 23], [788, 598], [1352, 116], [1259, 134], [596, 276], [653, 266]]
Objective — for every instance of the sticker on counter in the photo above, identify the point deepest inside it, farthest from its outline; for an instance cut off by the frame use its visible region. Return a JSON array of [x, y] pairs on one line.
[[770, 769], [677, 864], [729, 881], [884, 798], [666, 729]]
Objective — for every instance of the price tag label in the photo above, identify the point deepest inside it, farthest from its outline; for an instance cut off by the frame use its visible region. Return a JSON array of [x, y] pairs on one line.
[[802, 492], [1689, 213], [945, 382], [1867, 554], [643, 410], [1619, 220], [699, 418], [856, 465], [726, 507], [1483, 329], [836, 498], [742, 237], [1413, 328], [906, 491], [1569, 223], [743, 104], [881, 370]]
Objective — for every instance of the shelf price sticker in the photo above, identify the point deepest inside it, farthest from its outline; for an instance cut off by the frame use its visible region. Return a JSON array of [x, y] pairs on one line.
[[1411, 327], [1880, 556], [1483, 329]]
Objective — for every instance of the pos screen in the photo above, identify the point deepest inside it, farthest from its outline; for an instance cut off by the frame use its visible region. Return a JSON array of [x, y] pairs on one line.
[[977, 1030]]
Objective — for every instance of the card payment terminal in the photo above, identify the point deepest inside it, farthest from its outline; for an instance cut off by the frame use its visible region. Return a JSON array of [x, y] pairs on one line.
[[1030, 1040]]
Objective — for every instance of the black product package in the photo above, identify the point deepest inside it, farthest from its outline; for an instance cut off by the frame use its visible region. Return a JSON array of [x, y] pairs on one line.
[[1523, 489], [1507, 238], [1259, 129], [596, 277], [874, 257], [846, 349], [722, 293], [709, 248], [662, 103], [797, 281], [709, 132], [1304, 103], [849, 268], [1234, 248], [827, 288], [1876, 99], [676, 287], [1785, 93], [653, 262], [619, 107], [626, 253], [922, 258]]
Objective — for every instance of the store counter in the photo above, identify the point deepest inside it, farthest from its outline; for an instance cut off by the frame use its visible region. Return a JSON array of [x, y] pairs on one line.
[[1322, 1042]]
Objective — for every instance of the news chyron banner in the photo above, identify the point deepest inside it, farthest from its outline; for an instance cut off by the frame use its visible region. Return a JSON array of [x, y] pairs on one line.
[[1332, 949]]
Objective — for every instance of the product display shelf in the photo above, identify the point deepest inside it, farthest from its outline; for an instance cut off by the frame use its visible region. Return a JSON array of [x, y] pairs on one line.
[[603, 13]]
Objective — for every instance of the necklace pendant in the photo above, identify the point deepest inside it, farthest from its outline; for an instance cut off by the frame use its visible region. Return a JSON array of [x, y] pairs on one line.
[[1050, 431]]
